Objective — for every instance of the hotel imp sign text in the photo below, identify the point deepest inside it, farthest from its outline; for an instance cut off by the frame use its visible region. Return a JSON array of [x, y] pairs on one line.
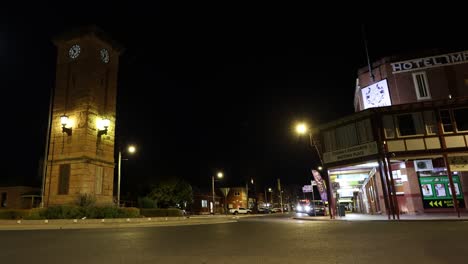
[[430, 62], [351, 153]]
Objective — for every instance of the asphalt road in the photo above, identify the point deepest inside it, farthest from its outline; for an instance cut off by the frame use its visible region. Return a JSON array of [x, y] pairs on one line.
[[269, 239]]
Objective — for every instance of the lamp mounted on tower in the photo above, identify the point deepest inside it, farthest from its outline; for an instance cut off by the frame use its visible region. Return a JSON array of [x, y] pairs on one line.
[[103, 125], [64, 121]]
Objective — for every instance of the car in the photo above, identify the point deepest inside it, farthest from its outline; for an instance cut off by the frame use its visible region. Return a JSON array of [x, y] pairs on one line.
[[276, 210], [263, 210], [240, 211], [318, 209]]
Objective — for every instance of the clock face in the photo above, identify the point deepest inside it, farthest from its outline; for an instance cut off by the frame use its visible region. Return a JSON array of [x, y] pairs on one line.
[[74, 51], [375, 95], [105, 55]]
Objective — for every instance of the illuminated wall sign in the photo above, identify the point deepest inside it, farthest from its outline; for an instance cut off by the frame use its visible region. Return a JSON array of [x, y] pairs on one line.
[[376, 95], [436, 192], [430, 62], [458, 163], [351, 153]]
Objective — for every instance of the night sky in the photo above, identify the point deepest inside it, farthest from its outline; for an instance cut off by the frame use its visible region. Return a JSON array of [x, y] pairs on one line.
[[201, 87]]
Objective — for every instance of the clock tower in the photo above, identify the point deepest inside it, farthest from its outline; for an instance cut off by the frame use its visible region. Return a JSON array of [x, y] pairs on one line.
[[81, 146]]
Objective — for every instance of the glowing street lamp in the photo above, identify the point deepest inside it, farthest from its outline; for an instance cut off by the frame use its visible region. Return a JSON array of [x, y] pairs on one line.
[[131, 149], [301, 128], [219, 175]]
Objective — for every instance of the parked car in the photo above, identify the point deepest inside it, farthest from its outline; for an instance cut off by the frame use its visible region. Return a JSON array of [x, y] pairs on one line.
[[276, 210], [263, 210], [240, 211]]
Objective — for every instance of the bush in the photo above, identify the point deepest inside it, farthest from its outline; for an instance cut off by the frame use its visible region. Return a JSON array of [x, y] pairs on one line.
[[35, 214], [162, 212], [146, 202], [129, 212], [63, 212], [91, 212], [14, 213], [85, 200]]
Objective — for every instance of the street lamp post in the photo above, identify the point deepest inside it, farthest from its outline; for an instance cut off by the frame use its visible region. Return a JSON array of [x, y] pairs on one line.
[[131, 149], [313, 196], [271, 196], [219, 175], [301, 129]]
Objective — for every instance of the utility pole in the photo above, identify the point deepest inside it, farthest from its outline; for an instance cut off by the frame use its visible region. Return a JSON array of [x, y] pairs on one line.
[[247, 195], [119, 166], [213, 193], [281, 195]]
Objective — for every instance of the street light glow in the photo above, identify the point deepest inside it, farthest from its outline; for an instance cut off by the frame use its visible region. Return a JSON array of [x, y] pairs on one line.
[[131, 149], [320, 168], [220, 175], [269, 189], [301, 128]]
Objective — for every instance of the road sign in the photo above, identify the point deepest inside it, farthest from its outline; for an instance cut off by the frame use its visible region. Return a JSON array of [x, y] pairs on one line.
[[442, 203], [307, 188]]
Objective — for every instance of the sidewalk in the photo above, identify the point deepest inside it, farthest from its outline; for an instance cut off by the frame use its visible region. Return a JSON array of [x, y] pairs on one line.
[[116, 222], [403, 217]]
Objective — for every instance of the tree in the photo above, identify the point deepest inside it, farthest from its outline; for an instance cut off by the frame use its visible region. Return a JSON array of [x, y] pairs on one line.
[[172, 193]]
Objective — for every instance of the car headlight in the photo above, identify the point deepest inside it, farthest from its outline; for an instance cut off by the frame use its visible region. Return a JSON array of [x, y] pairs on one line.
[[307, 208], [299, 208]]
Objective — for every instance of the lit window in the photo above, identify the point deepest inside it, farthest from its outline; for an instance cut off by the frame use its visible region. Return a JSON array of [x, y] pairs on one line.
[[204, 203], [421, 85]]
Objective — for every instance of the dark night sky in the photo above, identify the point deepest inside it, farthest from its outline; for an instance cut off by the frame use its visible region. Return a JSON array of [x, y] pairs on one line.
[[202, 87]]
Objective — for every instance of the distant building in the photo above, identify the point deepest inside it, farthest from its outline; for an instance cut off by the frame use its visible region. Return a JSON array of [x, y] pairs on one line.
[[407, 141], [237, 198], [19, 197], [203, 204]]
